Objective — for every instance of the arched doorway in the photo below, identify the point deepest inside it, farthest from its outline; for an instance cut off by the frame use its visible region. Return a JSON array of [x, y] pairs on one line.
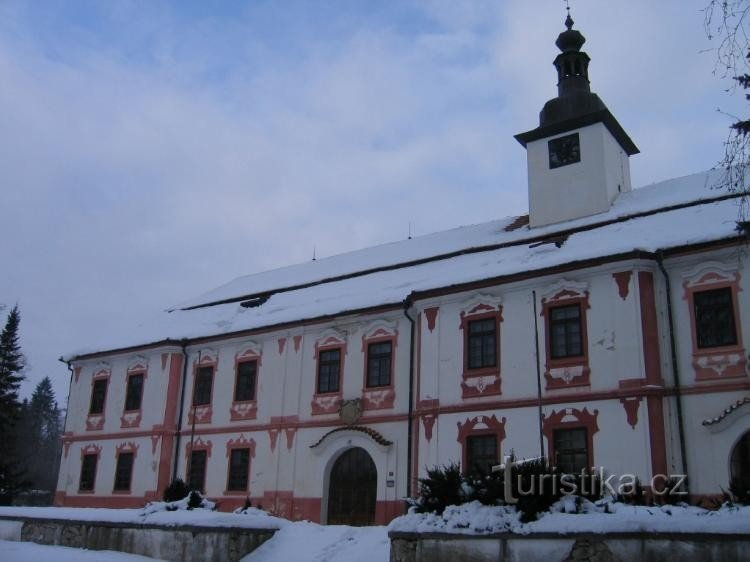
[[739, 465], [352, 489]]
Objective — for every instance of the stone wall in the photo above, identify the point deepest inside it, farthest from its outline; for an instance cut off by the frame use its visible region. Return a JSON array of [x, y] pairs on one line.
[[178, 544], [615, 547]]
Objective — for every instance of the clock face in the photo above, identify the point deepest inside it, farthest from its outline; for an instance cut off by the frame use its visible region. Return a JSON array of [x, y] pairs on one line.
[[564, 150]]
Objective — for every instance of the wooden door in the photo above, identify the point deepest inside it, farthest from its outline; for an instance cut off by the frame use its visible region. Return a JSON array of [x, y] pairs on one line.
[[352, 489]]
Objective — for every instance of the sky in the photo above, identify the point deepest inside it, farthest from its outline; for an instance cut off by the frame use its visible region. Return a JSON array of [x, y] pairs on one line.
[[153, 150]]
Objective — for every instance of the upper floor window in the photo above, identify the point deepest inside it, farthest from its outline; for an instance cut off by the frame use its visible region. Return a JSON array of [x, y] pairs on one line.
[[714, 318], [197, 470], [134, 392], [239, 469], [88, 473], [571, 450], [244, 385], [203, 383], [379, 357], [124, 471], [98, 396], [565, 331], [482, 343], [481, 453], [329, 370]]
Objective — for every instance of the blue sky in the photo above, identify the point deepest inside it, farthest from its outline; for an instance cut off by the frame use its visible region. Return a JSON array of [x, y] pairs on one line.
[[153, 150]]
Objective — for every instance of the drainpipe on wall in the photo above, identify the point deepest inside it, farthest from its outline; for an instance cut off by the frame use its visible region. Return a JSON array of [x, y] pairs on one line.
[[70, 385], [409, 437], [538, 379], [183, 344], [675, 366]]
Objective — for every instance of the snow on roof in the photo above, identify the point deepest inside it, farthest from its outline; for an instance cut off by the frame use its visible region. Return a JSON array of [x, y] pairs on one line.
[[656, 196], [670, 214]]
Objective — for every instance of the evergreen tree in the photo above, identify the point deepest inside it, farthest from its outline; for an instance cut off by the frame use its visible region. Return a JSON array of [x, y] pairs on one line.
[[39, 436], [11, 367]]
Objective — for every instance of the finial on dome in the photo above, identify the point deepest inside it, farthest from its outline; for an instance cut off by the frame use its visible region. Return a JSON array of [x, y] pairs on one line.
[[569, 21]]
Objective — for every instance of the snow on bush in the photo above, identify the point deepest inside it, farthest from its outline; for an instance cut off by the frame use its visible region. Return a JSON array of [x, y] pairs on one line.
[[573, 514]]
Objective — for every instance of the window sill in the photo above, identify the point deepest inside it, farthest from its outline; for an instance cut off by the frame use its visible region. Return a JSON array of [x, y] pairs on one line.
[[378, 397], [327, 403], [718, 363], [243, 410], [477, 383]]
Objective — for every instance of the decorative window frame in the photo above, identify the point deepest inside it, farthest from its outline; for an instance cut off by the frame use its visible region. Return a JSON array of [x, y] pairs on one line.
[[566, 372], [242, 410], [480, 425], [197, 445], [486, 381], [328, 402], [90, 449], [570, 418], [240, 443], [128, 447], [715, 363], [102, 371], [379, 397], [203, 414], [132, 418]]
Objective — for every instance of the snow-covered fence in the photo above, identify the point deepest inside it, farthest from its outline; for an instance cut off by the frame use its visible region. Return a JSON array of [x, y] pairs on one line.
[[181, 543]]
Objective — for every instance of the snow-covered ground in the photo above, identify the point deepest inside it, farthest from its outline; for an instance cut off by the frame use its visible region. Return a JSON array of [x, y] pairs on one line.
[[310, 542], [12, 551]]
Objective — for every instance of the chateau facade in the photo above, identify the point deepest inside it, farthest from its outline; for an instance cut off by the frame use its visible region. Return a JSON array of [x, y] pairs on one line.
[[603, 329]]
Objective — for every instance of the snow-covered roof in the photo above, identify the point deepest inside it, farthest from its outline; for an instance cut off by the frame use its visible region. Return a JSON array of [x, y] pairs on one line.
[[669, 214]]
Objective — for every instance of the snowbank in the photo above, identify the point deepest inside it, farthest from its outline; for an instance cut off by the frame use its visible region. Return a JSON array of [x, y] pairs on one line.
[[603, 517], [155, 513]]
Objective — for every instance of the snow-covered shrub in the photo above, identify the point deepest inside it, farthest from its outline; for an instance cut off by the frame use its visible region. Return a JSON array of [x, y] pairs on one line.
[[176, 490], [443, 486]]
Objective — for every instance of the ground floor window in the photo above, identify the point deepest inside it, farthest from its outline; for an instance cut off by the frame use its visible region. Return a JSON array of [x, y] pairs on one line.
[[197, 470], [571, 450], [124, 472], [88, 473], [481, 453], [239, 468]]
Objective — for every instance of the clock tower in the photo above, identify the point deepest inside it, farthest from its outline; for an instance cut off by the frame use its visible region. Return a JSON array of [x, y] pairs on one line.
[[578, 156]]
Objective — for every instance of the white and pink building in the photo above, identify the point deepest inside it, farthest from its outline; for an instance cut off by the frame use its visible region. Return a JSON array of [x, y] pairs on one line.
[[603, 329]]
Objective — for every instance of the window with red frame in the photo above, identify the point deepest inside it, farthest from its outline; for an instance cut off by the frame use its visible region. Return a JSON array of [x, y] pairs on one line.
[[482, 343], [565, 331], [481, 454], [379, 356], [88, 473], [134, 392], [203, 383], [714, 318], [98, 396], [124, 471], [239, 469], [197, 470], [329, 370], [571, 450], [244, 385]]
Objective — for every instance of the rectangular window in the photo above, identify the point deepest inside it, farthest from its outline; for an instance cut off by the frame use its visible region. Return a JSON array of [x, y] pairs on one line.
[[565, 331], [203, 383], [482, 343], [197, 470], [134, 392], [714, 318], [329, 370], [481, 454], [571, 450], [124, 472], [239, 468], [98, 396], [379, 364], [88, 473], [244, 385]]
